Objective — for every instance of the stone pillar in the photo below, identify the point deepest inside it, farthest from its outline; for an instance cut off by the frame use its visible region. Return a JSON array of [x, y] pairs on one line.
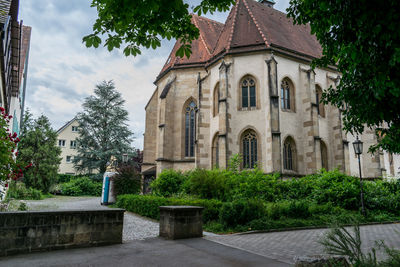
[[177, 222], [312, 152], [371, 164], [202, 124], [274, 114], [223, 115], [338, 137]]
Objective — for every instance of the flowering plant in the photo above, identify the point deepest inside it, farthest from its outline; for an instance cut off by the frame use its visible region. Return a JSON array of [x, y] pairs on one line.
[[8, 150]]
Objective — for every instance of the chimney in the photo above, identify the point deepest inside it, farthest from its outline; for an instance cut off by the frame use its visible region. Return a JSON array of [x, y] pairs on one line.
[[269, 3]]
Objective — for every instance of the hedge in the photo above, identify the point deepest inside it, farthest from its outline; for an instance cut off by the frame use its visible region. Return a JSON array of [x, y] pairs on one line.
[[147, 205]]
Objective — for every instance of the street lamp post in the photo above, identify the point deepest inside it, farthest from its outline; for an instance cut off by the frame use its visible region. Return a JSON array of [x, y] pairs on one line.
[[358, 149]]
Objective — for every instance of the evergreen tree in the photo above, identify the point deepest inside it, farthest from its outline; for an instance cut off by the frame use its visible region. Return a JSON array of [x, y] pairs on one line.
[[38, 148], [103, 131]]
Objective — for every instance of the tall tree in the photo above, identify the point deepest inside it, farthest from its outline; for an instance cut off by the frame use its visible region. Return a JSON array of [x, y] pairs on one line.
[[39, 150], [142, 23], [103, 131], [362, 39]]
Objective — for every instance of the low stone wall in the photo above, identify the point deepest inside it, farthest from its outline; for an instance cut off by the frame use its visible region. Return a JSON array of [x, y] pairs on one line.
[[29, 231]]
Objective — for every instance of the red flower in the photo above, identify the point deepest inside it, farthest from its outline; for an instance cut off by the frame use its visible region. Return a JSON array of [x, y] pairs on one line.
[[14, 135], [1, 109]]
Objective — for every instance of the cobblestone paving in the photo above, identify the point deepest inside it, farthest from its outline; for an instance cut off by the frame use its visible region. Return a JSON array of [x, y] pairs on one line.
[[135, 227], [285, 246]]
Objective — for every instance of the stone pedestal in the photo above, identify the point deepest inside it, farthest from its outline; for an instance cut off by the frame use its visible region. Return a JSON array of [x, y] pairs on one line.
[[177, 222]]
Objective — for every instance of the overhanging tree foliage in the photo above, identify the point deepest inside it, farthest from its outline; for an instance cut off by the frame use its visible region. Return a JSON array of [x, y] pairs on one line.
[[103, 131], [38, 149], [363, 39], [142, 23]]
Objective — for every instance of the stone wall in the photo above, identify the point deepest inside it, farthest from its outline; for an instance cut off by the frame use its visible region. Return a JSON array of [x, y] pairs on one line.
[[23, 232]]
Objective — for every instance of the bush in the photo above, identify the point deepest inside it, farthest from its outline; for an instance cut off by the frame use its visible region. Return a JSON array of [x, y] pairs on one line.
[[81, 187], [18, 190], [127, 181], [147, 205], [169, 182], [206, 184], [64, 178], [241, 212]]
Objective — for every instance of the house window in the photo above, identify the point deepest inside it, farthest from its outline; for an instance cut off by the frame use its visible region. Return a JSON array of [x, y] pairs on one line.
[[74, 128], [69, 158], [248, 93], [73, 144], [190, 126], [287, 95], [324, 155], [216, 100], [289, 154], [249, 149], [320, 105], [61, 142]]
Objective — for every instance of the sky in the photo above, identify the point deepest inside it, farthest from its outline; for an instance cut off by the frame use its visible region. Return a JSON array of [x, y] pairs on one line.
[[62, 72]]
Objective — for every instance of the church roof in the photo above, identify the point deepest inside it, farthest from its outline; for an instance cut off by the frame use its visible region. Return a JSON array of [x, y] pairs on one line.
[[202, 47], [250, 26]]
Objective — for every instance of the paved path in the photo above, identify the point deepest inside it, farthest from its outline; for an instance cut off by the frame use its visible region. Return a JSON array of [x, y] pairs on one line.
[[135, 227], [150, 252], [285, 246]]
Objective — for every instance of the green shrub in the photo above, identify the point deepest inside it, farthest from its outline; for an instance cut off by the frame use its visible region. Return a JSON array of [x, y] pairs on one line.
[[64, 178], [127, 181], [297, 209], [337, 188], [22, 206], [148, 205], [206, 184], [241, 212], [169, 182], [254, 184], [81, 186], [18, 190]]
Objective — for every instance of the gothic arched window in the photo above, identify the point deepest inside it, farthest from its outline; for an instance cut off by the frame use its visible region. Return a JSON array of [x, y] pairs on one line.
[[215, 152], [190, 126], [324, 155], [249, 149], [248, 92], [289, 154], [216, 100], [318, 95], [287, 95]]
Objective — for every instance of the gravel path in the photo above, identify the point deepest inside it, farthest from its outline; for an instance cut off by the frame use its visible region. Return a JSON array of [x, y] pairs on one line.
[[135, 227]]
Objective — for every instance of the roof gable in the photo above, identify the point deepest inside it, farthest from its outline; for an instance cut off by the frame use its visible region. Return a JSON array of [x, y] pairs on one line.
[[66, 125], [201, 47]]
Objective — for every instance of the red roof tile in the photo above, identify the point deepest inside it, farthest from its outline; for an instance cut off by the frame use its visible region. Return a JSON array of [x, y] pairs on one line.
[[201, 48], [279, 30], [250, 26]]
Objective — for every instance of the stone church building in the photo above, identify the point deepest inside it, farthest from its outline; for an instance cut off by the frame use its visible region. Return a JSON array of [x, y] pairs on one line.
[[248, 89]]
